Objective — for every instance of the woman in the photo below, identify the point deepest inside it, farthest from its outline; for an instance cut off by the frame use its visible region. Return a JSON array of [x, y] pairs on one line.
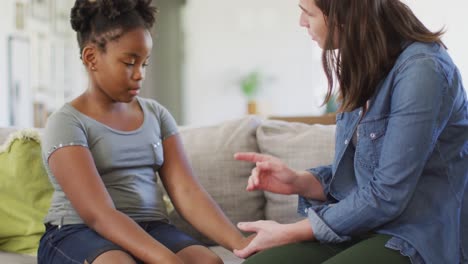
[[395, 190], [103, 149]]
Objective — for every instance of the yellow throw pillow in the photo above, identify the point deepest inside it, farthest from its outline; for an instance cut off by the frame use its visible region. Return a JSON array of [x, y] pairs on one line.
[[25, 193]]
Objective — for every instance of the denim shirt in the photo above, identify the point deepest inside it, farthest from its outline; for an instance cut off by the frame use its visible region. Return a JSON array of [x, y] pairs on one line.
[[407, 175]]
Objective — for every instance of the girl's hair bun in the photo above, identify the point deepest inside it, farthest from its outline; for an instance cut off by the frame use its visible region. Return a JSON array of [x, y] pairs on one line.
[[146, 11], [81, 14], [84, 10], [93, 19], [112, 9]]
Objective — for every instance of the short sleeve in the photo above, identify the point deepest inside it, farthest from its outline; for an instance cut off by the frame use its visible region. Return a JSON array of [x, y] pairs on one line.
[[167, 122], [62, 129]]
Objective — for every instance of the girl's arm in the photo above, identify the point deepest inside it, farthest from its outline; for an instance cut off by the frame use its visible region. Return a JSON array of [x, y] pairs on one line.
[[75, 171], [192, 201]]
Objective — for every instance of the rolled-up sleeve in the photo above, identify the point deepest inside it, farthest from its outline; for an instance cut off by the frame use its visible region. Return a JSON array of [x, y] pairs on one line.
[[309, 208], [323, 174]]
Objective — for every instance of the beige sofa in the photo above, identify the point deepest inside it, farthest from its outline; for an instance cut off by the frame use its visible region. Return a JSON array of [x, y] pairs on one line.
[[210, 150]]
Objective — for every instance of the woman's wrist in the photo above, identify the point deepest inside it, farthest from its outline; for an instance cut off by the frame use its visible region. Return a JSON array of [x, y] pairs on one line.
[[308, 186], [302, 183], [298, 232]]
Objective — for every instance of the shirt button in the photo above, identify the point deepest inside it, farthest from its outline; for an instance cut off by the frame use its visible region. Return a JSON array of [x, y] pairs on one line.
[[305, 210], [372, 135], [360, 112], [346, 142]]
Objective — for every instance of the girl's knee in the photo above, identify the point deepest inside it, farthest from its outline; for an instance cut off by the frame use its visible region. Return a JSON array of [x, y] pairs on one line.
[[214, 259], [114, 257], [198, 255]]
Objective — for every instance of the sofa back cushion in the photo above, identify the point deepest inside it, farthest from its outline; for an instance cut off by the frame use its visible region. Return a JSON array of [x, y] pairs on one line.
[[211, 151], [301, 147]]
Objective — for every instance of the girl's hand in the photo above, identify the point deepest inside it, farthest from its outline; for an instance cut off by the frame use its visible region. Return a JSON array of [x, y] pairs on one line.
[[268, 234], [270, 173], [244, 242]]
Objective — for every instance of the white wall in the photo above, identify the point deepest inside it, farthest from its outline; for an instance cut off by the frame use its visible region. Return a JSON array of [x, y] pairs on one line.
[[54, 68], [451, 15], [6, 22], [225, 39]]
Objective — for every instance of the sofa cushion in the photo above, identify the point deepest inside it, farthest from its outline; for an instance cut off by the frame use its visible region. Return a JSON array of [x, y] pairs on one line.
[[211, 151], [301, 147], [11, 258], [227, 256], [25, 193]]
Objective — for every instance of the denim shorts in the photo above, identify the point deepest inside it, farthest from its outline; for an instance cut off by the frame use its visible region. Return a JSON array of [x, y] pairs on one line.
[[77, 243]]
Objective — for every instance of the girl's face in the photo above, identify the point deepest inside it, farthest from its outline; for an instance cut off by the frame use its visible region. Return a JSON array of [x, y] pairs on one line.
[[120, 70], [314, 21]]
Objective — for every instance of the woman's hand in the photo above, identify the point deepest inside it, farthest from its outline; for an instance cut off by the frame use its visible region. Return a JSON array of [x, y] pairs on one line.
[[270, 173], [272, 234], [273, 175], [269, 234]]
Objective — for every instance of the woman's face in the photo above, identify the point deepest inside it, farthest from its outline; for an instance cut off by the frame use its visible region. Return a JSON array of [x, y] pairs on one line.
[[314, 21], [121, 68]]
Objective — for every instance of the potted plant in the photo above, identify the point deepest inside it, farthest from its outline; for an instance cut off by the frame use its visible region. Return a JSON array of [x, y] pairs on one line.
[[250, 86]]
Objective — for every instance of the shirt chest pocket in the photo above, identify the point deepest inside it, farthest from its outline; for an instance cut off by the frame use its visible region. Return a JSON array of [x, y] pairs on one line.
[[158, 153], [370, 140]]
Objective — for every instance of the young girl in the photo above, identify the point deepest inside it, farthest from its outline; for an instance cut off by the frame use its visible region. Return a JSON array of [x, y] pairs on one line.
[[396, 191], [102, 150]]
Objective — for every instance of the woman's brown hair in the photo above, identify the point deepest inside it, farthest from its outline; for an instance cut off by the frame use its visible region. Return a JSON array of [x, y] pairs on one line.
[[370, 36]]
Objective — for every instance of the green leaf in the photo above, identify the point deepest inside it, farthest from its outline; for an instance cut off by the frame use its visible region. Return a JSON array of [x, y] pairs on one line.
[[250, 84]]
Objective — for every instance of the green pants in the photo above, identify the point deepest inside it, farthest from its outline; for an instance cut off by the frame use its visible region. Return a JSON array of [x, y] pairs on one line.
[[369, 249]]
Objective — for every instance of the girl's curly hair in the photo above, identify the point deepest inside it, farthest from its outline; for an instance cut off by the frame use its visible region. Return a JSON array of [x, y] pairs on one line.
[[100, 21]]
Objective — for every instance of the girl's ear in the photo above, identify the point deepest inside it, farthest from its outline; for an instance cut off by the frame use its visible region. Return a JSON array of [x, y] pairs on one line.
[[89, 56]]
